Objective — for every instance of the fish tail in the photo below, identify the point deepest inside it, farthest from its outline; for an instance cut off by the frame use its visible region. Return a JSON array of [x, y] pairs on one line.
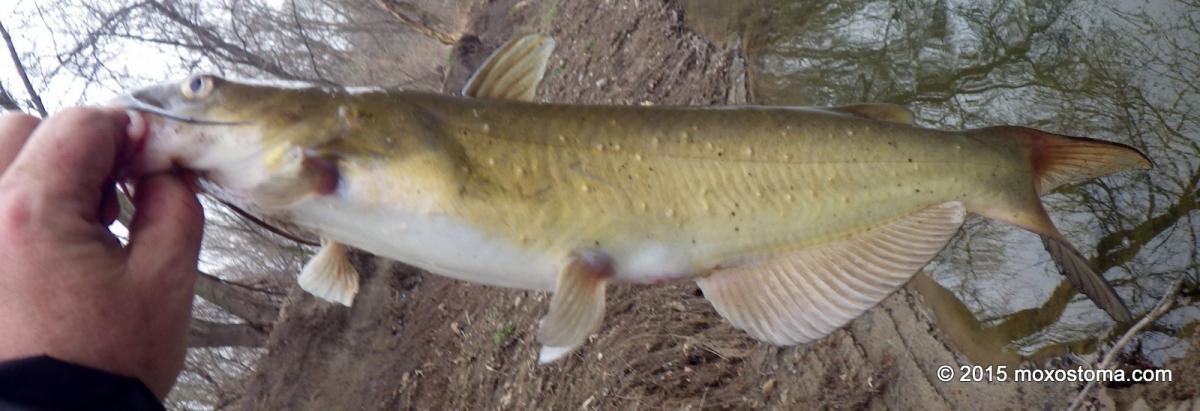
[[1058, 160]]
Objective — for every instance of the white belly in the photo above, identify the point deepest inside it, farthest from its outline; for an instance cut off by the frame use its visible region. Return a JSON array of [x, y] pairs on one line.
[[437, 243]]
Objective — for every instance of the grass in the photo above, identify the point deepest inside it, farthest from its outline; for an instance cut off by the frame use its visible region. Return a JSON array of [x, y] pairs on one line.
[[504, 334], [548, 16], [556, 71]]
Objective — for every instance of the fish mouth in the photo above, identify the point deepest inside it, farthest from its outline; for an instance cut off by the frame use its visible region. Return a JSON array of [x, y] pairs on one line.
[[140, 106]]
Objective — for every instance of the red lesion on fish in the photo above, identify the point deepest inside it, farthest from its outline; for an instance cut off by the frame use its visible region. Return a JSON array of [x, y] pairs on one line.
[[327, 173]]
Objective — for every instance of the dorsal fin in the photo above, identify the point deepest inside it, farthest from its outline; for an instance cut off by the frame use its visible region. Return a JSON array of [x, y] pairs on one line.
[[514, 71], [892, 113]]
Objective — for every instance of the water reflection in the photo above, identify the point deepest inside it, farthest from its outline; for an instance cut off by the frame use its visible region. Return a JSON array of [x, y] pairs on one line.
[[1125, 72]]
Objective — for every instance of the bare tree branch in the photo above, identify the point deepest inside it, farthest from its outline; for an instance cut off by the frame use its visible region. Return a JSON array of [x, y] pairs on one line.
[[90, 40], [7, 101], [239, 300], [232, 52], [1164, 305], [312, 61], [211, 334], [33, 94], [418, 23]]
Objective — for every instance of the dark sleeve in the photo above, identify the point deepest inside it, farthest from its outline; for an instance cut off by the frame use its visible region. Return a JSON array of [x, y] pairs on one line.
[[44, 383]]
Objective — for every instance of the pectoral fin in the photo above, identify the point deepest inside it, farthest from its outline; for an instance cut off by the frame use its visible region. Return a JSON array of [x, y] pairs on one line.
[[802, 295], [330, 276], [577, 306], [514, 71]]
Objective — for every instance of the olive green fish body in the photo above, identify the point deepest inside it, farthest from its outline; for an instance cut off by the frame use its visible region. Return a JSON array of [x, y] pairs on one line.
[[792, 221], [710, 184]]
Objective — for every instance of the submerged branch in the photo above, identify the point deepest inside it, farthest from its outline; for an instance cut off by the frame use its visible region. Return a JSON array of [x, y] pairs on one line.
[[1164, 305]]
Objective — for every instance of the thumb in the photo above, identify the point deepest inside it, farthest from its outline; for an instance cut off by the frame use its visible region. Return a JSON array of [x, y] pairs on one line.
[[164, 237]]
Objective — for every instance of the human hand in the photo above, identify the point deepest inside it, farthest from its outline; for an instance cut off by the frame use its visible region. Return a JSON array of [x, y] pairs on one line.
[[68, 289]]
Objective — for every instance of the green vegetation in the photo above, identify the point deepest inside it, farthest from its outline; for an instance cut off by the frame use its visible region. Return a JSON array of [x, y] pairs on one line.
[[556, 71], [504, 334], [551, 11]]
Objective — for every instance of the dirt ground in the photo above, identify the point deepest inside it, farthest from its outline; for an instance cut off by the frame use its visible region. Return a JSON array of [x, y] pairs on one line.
[[418, 341]]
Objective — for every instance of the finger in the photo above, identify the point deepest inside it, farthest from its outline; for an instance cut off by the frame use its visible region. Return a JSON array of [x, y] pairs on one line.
[[15, 128], [164, 237], [70, 156], [164, 245]]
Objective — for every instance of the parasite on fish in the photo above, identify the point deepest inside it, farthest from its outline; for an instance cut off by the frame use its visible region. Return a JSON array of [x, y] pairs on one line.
[[793, 221]]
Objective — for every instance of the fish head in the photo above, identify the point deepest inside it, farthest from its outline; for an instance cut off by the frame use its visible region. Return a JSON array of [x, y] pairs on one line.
[[234, 134]]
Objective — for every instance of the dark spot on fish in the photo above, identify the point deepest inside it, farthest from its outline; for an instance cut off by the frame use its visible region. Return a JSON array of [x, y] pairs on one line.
[[910, 160], [917, 190], [328, 175]]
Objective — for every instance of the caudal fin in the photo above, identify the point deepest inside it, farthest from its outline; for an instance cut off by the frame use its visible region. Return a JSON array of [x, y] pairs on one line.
[[1075, 267], [1060, 160]]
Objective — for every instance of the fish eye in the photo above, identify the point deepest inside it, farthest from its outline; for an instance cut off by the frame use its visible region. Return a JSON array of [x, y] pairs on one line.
[[197, 87]]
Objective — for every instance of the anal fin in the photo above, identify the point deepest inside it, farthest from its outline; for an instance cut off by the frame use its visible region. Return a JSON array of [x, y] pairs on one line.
[[577, 307], [802, 295], [330, 276]]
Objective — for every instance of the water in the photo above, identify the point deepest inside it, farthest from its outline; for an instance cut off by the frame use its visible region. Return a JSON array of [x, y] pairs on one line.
[[1118, 71]]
